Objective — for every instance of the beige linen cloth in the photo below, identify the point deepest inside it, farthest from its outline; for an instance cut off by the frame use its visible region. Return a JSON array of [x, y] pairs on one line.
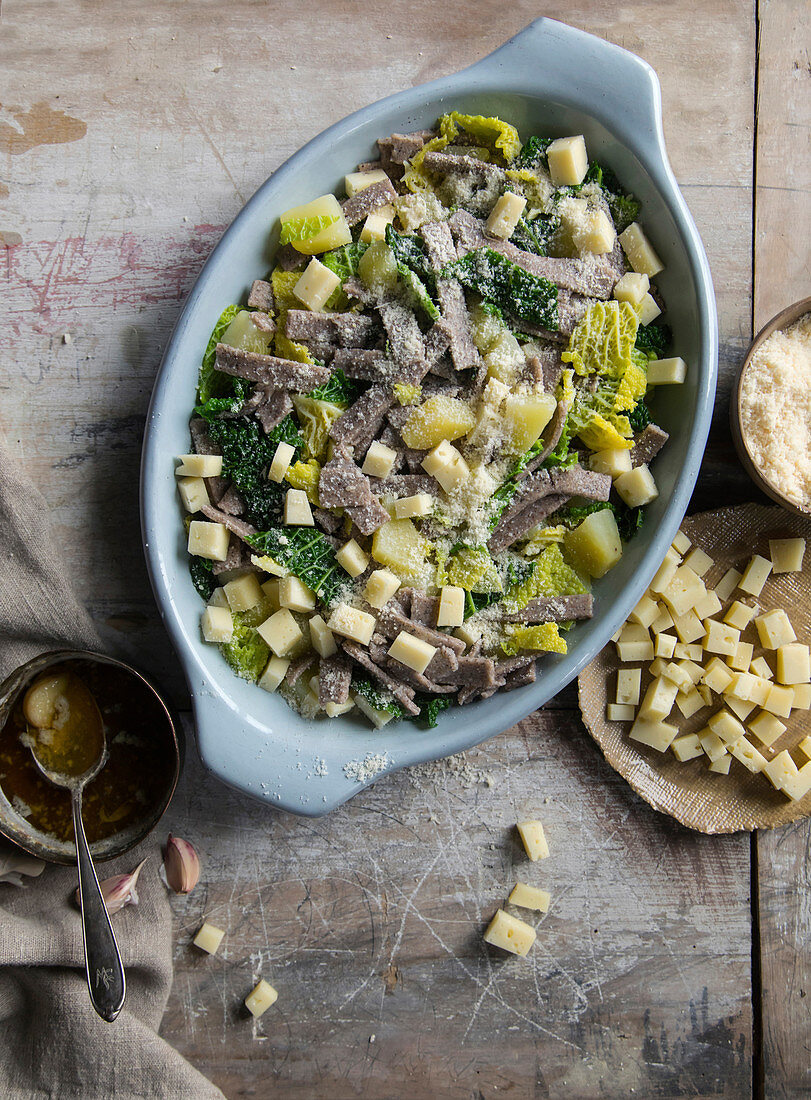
[[52, 1043]]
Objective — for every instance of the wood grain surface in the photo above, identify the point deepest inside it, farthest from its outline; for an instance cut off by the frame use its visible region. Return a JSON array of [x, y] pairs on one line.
[[130, 135]]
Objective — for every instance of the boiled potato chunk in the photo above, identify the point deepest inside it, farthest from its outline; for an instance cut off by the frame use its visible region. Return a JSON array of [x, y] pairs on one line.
[[242, 333], [378, 268], [400, 547], [527, 415], [595, 544], [439, 418], [332, 236]]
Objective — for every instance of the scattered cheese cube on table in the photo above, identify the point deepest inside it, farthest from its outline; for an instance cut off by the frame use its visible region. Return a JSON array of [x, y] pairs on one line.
[[721, 765], [655, 734], [628, 685], [781, 769], [510, 933], [530, 897], [793, 663], [797, 786], [687, 747], [261, 998], [721, 638], [787, 555], [755, 575], [748, 755], [534, 839], [727, 584], [664, 645], [620, 712], [209, 938], [766, 727]]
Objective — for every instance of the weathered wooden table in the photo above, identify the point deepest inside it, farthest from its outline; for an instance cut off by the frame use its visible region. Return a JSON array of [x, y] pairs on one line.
[[670, 964]]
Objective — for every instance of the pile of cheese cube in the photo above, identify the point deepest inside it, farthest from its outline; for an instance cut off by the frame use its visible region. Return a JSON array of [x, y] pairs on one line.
[[693, 637], [505, 930]]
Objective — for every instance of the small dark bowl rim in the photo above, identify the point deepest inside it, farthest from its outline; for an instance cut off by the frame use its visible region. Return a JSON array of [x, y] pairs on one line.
[[36, 844], [780, 321]]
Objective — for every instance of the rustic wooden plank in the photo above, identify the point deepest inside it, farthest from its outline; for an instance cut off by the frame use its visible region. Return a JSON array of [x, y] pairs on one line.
[[782, 231], [369, 923]]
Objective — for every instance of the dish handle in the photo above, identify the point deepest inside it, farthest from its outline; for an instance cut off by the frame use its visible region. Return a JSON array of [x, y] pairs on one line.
[[586, 71]]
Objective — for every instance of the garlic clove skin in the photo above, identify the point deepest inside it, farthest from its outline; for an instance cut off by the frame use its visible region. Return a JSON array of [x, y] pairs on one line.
[[181, 865], [120, 890]]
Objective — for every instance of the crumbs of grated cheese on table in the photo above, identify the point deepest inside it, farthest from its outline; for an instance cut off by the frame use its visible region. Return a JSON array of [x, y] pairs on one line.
[[372, 764], [775, 410]]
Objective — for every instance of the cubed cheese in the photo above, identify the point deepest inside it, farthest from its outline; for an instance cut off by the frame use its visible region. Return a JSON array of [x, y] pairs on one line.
[[666, 372], [659, 699], [451, 610], [374, 228], [688, 651], [684, 591], [745, 752], [533, 838], [632, 287], [321, 637], [261, 998], [687, 747], [280, 631], [297, 511], [468, 633], [726, 726], [678, 676], [805, 747], [420, 504], [411, 651], [509, 933], [620, 712], [280, 464], [271, 591], [316, 285], [721, 765], [244, 592], [755, 575], [688, 627], [505, 214], [774, 629], [698, 561], [681, 543], [639, 251], [613, 462], [717, 675], [376, 716], [787, 555], [780, 770], [711, 743], [690, 703], [739, 614], [637, 487], [802, 697], [193, 493], [568, 161], [779, 701], [705, 693], [359, 181], [664, 574], [446, 464], [379, 460], [352, 558], [707, 605], [766, 727], [380, 588], [797, 786], [645, 612], [275, 671], [351, 623], [793, 663], [209, 938], [635, 651], [594, 233], [760, 666], [655, 734], [530, 897], [648, 310], [628, 685], [218, 598], [664, 645], [742, 657], [727, 584], [295, 594], [663, 621], [217, 624], [199, 466], [694, 670], [334, 710], [739, 707], [208, 540], [721, 638]]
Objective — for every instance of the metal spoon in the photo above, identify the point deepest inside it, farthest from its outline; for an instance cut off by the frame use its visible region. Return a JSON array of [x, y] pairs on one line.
[[66, 738]]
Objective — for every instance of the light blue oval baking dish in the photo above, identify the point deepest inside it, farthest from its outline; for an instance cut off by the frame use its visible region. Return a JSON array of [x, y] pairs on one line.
[[549, 79]]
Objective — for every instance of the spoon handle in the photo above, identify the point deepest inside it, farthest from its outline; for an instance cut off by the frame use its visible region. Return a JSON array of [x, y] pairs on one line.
[[105, 973]]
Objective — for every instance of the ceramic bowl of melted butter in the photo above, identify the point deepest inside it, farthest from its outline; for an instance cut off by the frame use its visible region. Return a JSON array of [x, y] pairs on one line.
[[127, 798]]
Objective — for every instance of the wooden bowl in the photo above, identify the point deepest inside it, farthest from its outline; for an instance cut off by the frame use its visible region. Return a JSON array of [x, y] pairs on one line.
[[783, 319]]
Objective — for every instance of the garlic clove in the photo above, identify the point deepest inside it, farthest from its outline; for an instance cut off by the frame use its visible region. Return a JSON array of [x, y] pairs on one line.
[[120, 890], [181, 865]]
